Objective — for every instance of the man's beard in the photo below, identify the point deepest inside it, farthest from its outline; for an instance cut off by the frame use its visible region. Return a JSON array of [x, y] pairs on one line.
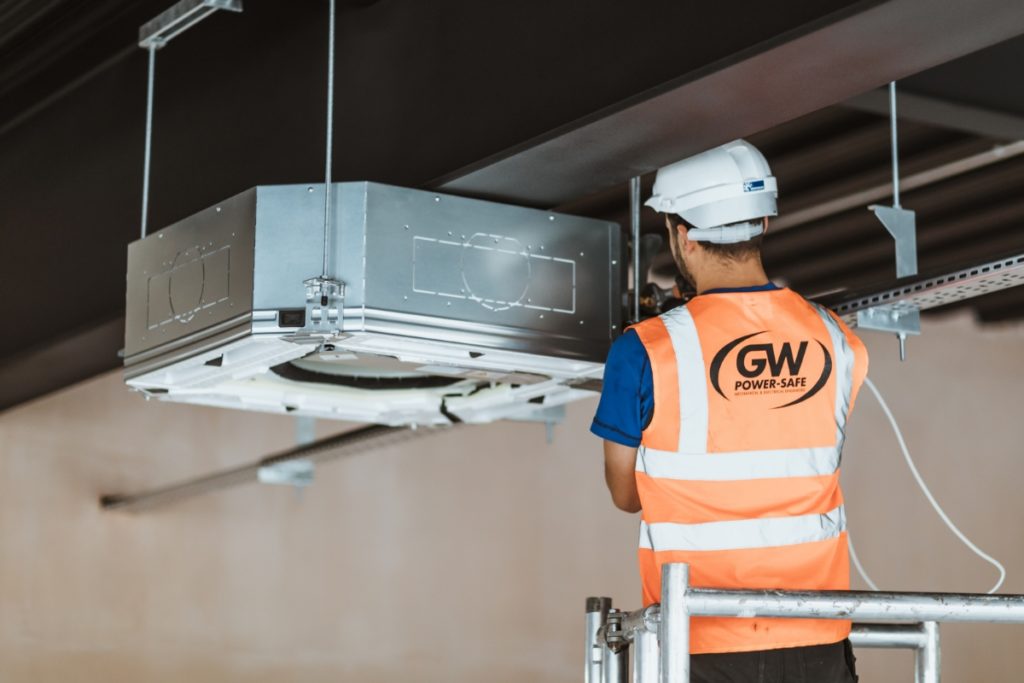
[[677, 256]]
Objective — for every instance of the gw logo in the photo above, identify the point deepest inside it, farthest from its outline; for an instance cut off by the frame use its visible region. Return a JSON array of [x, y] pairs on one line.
[[753, 361], [755, 367]]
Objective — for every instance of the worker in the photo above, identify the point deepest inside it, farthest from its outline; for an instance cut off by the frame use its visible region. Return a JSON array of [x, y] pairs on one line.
[[723, 423]]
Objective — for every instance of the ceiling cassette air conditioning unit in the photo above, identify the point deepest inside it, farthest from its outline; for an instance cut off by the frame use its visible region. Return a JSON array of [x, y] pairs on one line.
[[410, 308]]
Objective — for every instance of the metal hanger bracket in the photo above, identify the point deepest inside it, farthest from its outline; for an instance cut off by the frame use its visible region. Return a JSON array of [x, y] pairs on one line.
[[902, 225]]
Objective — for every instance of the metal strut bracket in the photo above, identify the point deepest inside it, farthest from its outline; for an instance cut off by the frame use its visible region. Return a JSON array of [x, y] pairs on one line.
[[179, 18], [902, 225], [900, 319]]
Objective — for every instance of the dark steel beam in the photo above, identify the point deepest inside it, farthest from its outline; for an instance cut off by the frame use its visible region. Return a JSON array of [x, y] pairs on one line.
[[73, 358], [943, 113], [969, 193], [830, 61], [872, 170], [987, 227]]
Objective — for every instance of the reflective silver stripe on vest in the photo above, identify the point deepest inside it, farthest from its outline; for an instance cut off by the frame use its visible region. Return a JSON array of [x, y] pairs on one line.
[[743, 465], [744, 533], [843, 370], [693, 382]]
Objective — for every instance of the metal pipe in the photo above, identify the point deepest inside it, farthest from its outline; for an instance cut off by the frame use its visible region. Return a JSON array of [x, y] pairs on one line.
[[330, 448], [646, 654], [674, 630], [679, 602], [616, 664], [597, 614], [888, 636], [927, 664], [634, 224], [640, 627], [1000, 609], [895, 147], [148, 152]]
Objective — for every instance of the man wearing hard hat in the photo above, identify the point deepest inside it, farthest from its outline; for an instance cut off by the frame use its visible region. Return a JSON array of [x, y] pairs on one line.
[[723, 423]]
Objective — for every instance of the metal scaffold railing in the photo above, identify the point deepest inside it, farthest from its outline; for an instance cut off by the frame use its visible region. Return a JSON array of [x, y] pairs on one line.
[[659, 635]]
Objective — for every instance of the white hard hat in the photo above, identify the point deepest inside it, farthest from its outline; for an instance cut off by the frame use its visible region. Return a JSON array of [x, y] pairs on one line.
[[723, 193]]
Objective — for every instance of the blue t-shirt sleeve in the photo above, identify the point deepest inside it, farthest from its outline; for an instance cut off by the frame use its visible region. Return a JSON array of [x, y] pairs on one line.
[[627, 395]]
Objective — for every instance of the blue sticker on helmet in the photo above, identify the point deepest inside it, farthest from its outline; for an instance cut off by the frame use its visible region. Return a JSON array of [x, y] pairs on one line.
[[753, 185]]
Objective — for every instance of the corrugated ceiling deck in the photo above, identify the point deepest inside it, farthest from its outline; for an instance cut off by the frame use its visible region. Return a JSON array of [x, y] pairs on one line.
[[837, 151]]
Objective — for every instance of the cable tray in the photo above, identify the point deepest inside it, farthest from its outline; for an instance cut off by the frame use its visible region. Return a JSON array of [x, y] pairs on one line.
[[941, 290]]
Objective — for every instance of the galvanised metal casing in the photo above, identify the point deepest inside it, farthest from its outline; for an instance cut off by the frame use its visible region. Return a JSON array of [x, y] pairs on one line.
[[464, 277]]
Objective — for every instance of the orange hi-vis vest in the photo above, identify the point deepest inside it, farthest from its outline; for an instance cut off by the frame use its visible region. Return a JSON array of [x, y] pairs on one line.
[[738, 470]]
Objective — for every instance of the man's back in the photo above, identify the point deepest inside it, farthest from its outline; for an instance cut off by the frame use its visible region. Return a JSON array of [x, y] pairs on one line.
[[738, 468], [723, 422]]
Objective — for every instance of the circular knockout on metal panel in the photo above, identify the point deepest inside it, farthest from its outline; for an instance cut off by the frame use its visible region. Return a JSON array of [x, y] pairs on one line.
[[188, 279], [495, 271]]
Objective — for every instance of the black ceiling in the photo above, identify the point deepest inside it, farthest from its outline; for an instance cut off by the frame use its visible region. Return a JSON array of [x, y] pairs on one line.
[[423, 89]]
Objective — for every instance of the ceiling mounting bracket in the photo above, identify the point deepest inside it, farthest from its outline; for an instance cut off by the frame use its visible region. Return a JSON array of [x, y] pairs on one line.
[[325, 300], [901, 223], [153, 35], [901, 318], [179, 18]]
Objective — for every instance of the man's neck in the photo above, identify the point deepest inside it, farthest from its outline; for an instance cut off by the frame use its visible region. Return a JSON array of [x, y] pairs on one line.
[[733, 276]]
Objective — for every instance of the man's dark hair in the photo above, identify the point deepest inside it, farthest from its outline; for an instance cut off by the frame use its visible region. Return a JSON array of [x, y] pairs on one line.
[[739, 251]]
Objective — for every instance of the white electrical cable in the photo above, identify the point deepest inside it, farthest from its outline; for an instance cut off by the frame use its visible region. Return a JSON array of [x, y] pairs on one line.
[[860, 568], [931, 499]]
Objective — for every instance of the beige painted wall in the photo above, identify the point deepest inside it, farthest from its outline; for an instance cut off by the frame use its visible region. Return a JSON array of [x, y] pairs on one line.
[[459, 557]]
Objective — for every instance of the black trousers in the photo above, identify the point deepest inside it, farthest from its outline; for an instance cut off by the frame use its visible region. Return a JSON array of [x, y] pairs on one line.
[[813, 664]]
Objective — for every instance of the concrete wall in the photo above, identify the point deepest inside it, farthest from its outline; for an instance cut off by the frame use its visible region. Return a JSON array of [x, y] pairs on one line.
[[457, 557]]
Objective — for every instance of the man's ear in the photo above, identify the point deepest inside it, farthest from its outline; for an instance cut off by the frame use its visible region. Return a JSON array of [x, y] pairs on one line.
[[685, 243]]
